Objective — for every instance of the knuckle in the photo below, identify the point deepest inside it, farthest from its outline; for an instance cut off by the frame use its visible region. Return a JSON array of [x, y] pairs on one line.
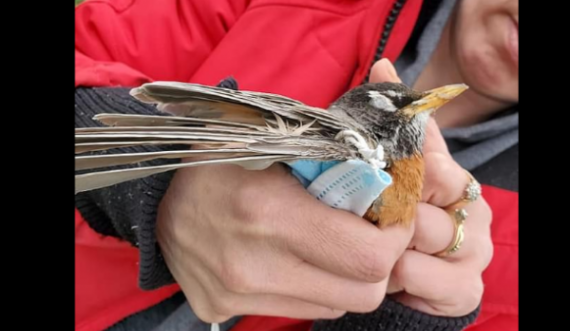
[[222, 304], [235, 279], [250, 205], [373, 265], [243, 200]]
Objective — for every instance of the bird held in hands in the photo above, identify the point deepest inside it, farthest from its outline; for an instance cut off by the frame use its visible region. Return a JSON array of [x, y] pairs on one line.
[[382, 124]]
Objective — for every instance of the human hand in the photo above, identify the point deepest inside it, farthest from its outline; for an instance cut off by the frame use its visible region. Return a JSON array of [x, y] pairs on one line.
[[244, 242], [450, 285]]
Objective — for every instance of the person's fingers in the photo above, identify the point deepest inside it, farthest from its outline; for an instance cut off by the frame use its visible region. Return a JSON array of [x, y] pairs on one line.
[[444, 182], [434, 232], [447, 288], [433, 229], [340, 242], [285, 285]]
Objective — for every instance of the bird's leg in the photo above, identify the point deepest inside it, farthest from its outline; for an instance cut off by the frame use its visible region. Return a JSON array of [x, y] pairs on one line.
[[398, 203]]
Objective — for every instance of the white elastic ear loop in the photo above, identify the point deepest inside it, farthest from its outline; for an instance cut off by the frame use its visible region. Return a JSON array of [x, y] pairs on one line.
[[373, 156]]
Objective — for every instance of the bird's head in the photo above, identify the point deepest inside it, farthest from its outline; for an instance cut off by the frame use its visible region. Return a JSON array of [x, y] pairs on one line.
[[396, 114]]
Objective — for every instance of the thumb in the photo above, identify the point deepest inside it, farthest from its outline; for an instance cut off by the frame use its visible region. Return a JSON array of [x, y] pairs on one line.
[[384, 71], [434, 142]]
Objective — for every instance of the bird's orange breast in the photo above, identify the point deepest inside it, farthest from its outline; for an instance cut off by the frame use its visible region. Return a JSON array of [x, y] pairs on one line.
[[398, 203]]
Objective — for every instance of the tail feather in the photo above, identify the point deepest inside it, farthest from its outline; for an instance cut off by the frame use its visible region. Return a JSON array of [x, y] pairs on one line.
[[91, 181], [219, 126], [112, 160]]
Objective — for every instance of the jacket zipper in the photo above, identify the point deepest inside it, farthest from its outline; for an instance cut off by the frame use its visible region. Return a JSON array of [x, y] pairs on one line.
[[388, 26]]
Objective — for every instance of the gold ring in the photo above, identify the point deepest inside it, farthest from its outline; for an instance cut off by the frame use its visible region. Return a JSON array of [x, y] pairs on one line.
[[471, 193], [458, 216]]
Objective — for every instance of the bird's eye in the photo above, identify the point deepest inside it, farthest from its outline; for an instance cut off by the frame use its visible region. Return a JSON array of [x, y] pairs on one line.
[[381, 102], [394, 94]]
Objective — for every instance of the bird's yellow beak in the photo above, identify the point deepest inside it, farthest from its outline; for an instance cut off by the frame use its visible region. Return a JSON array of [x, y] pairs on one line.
[[434, 99]]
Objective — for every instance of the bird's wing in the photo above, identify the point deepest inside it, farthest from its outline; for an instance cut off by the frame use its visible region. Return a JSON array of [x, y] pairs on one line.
[[195, 100], [250, 129]]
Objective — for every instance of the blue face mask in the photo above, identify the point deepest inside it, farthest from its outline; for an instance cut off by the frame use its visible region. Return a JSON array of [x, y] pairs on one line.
[[352, 185]]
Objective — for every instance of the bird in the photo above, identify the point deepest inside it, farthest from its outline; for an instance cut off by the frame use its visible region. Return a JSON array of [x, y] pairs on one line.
[[383, 124]]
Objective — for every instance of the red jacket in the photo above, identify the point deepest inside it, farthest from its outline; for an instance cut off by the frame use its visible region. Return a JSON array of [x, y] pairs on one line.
[[310, 50]]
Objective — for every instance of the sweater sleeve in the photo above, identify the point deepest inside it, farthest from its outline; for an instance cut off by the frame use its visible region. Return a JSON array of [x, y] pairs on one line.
[[394, 316], [127, 210]]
